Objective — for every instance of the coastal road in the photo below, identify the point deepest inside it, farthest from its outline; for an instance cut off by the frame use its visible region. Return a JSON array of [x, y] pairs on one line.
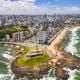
[[58, 40]]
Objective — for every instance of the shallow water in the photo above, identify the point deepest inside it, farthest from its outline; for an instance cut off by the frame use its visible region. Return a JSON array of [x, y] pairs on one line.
[[74, 48], [4, 62], [3, 68]]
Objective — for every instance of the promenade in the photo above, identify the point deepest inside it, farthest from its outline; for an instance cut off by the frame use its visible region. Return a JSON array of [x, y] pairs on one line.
[[58, 40]]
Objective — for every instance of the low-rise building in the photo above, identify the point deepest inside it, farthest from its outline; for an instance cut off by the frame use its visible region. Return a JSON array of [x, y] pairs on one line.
[[7, 37]]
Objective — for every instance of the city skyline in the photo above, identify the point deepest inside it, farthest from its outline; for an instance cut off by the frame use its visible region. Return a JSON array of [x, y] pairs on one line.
[[39, 6]]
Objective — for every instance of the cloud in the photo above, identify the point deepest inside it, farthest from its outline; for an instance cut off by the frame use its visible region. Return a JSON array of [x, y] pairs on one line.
[[16, 7], [29, 7]]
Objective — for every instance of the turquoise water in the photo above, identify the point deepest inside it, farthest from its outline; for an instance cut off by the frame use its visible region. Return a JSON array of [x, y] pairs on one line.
[[77, 52], [2, 50], [74, 48], [77, 45], [3, 68], [74, 44]]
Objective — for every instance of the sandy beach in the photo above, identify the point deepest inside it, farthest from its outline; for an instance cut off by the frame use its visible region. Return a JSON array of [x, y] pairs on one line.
[[60, 38]]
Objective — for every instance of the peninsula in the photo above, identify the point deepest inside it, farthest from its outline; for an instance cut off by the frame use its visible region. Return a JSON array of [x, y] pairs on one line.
[[53, 57]]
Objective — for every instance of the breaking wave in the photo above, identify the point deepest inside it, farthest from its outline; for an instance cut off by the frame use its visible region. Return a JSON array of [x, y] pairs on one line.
[[73, 40]]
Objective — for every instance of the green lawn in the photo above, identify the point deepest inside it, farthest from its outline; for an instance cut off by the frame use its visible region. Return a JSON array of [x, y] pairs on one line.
[[34, 61]]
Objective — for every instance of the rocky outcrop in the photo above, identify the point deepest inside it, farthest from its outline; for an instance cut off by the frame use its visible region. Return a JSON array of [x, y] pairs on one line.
[[67, 60], [30, 72], [61, 74]]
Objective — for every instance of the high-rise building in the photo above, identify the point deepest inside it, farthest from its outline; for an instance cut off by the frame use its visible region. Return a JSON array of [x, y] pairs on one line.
[[42, 37], [18, 36], [3, 22]]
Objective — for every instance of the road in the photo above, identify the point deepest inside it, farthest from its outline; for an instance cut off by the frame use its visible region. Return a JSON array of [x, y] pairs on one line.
[[51, 47], [58, 40]]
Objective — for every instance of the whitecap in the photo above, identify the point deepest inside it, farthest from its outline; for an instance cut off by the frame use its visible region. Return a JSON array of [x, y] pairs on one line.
[[73, 40], [3, 76], [71, 73], [7, 56]]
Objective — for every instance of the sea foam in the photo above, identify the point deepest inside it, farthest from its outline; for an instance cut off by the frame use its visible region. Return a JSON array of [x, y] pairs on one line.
[[73, 40]]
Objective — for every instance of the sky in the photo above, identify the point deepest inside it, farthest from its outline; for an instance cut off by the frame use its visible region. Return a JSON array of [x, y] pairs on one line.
[[39, 6]]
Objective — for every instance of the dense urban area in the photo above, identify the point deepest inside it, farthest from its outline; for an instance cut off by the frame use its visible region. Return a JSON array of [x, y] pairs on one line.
[[38, 42], [22, 27]]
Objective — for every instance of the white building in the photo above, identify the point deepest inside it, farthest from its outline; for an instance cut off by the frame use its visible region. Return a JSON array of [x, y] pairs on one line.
[[42, 37], [51, 30], [7, 37], [31, 29]]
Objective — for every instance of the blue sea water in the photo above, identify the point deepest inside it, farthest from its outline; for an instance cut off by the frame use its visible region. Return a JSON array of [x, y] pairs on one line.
[[74, 48]]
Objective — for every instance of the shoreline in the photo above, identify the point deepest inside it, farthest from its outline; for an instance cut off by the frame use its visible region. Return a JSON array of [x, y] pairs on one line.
[[57, 63], [53, 47], [55, 44]]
